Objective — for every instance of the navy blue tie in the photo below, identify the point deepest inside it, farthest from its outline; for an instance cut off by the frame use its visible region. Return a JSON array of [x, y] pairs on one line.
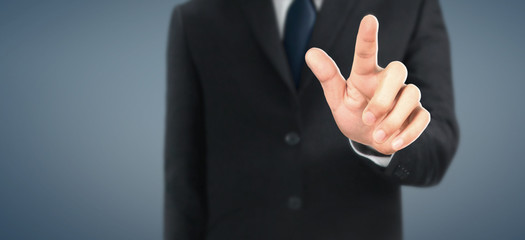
[[300, 20]]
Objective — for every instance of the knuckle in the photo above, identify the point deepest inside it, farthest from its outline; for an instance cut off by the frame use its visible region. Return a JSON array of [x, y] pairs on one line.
[[399, 69], [328, 74], [365, 54], [379, 105], [391, 125], [399, 66], [414, 91]]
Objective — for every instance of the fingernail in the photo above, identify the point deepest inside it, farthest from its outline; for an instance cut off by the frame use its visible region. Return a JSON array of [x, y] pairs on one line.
[[369, 118], [396, 145], [379, 136]]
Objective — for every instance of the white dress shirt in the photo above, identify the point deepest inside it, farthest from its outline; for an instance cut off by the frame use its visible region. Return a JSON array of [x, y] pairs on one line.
[[281, 8]]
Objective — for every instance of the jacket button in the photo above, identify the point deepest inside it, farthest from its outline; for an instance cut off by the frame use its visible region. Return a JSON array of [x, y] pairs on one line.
[[294, 203], [292, 138]]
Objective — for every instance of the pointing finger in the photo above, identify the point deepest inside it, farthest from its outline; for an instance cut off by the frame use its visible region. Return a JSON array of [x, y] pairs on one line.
[[325, 69], [365, 57]]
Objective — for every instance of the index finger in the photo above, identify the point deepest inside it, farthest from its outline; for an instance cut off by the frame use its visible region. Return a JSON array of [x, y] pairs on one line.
[[365, 57]]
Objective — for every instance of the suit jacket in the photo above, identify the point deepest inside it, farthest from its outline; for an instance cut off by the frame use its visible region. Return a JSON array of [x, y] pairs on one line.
[[249, 156]]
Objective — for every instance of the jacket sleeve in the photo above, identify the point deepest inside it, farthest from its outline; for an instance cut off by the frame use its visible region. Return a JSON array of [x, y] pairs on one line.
[[426, 160], [184, 150]]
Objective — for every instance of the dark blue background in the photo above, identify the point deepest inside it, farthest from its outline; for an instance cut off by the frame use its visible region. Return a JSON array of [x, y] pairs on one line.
[[82, 111]]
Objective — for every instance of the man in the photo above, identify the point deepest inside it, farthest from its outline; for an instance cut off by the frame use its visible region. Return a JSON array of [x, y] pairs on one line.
[[256, 149]]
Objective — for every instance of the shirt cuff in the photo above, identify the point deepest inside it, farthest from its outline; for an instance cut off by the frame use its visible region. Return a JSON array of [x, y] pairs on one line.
[[370, 154]]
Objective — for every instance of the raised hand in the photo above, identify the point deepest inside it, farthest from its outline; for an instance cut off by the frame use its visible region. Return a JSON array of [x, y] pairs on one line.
[[374, 106]]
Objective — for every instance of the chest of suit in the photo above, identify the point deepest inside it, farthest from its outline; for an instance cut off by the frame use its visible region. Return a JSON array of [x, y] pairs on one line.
[[268, 142]]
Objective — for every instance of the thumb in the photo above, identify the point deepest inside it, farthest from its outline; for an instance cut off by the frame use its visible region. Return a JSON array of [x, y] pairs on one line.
[[327, 72]]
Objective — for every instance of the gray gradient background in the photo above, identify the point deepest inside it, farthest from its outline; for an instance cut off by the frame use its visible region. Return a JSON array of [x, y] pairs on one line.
[[82, 111]]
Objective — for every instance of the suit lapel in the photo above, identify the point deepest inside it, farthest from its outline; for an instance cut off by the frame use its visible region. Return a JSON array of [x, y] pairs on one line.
[[329, 23], [263, 23]]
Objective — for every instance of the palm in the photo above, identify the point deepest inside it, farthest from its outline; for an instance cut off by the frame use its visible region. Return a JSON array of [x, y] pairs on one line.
[[349, 119]]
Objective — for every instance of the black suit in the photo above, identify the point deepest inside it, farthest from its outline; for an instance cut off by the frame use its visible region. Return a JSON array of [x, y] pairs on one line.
[[249, 156]]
